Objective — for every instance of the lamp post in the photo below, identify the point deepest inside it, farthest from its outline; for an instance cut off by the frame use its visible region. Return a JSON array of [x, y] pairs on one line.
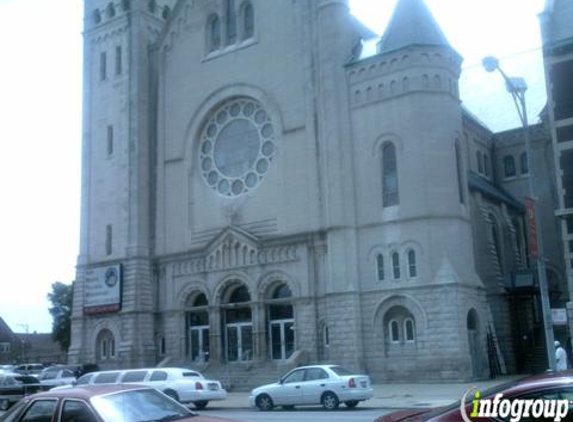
[[516, 87]]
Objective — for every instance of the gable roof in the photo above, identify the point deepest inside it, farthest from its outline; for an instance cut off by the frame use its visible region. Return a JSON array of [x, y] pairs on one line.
[[412, 23]]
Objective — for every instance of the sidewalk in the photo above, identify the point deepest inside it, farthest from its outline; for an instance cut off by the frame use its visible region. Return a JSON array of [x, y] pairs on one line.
[[393, 396]]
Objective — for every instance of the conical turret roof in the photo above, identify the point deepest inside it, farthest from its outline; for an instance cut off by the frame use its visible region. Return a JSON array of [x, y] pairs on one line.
[[411, 24]]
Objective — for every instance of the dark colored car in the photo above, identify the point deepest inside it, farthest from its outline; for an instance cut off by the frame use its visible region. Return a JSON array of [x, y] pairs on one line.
[[15, 386], [107, 403], [545, 387]]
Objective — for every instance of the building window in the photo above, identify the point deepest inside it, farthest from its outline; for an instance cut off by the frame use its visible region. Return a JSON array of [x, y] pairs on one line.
[[248, 19], [380, 267], [389, 175], [412, 270], [509, 166], [118, 58], [214, 32], [280, 312], [230, 22], [524, 163], [409, 332], [394, 330], [108, 239], [238, 324], [460, 173], [4, 347], [102, 66], [485, 165], [106, 345], [479, 162], [396, 265], [109, 140]]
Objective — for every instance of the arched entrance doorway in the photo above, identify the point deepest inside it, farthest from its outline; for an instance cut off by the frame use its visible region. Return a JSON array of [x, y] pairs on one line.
[[197, 322], [238, 323], [281, 323]]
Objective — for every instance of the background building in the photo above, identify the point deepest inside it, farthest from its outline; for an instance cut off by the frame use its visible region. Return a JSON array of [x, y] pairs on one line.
[[557, 35], [265, 184]]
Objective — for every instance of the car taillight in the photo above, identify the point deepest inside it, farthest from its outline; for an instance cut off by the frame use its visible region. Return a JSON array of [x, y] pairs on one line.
[[351, 383], [198, 386]]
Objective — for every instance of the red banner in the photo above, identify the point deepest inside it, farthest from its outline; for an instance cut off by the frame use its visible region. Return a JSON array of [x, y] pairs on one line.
[[531, 228]]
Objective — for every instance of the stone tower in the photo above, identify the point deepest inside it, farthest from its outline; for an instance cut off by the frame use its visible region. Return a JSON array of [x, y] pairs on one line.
[[116, 183], [407, 132]]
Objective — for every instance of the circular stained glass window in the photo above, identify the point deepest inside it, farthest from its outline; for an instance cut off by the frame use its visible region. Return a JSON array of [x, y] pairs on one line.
[[237, 147]]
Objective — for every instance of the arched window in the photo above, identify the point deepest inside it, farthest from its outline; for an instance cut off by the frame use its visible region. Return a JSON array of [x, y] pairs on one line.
[[508, 166], [401, 328], [394, 330], [214, 33], [524, 163], [389, 175], [248, 19], [396, 265], [380, 267], [459, 173], [409, 332], [105, 344], [479, 162], [230, 22], [412, 269]]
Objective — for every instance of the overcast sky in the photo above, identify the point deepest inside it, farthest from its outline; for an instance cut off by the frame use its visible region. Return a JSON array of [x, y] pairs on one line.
[[40, 123]]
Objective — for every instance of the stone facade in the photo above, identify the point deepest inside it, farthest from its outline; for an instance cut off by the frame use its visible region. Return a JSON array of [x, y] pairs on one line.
[[275, 194]]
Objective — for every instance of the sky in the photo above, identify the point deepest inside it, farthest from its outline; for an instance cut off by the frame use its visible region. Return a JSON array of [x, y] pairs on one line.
[[40, 123]]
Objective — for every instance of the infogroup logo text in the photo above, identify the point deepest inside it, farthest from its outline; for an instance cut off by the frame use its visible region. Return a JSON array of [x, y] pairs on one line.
[[515, 409]]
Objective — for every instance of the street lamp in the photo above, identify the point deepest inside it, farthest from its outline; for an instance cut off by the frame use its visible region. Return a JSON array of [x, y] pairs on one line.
[[517, 87]]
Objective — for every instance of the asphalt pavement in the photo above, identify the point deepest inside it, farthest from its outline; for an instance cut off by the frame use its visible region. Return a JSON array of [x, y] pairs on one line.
[[394, 395]]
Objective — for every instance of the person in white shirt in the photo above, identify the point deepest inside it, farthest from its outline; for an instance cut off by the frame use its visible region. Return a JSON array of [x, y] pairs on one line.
[[560, 357]]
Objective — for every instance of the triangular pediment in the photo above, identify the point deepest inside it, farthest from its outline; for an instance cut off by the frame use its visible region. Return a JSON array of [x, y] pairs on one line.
[[232, 237]]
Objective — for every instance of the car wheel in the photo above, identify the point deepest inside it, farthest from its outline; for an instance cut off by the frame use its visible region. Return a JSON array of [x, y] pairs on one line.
[[201, 404], [329, 401], [173, 394], [351, 404], [4, 404], [288, 407], [264, 402]]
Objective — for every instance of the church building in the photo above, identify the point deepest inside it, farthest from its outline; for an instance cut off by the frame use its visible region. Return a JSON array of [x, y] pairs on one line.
[[267, 184]]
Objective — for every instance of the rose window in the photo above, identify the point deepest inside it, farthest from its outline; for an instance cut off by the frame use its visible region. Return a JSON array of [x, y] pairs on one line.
[[237, 147]]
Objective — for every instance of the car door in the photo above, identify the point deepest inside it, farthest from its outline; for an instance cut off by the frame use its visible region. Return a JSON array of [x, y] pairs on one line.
[[290, 390], [315, 383]]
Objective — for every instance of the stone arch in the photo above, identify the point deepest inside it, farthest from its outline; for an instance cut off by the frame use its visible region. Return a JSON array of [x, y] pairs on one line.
[[226, 286], [192, 288], [404, 300], [102, 326], [268, 281]]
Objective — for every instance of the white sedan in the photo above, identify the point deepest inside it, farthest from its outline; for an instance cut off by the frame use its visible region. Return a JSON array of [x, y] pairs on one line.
[[328, 385]]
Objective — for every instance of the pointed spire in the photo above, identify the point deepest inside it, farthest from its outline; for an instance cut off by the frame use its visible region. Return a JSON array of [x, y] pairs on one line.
[[412, 23]]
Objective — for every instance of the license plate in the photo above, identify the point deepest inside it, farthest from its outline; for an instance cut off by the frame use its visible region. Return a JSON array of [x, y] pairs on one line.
[[363, 384], [213, 387]]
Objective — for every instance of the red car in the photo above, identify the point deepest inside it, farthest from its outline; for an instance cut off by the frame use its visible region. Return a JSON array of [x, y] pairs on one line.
[[103, 403], [551, 391]]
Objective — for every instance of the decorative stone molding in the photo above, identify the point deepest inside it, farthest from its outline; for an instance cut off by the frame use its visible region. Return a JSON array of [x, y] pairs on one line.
[[235, 249]]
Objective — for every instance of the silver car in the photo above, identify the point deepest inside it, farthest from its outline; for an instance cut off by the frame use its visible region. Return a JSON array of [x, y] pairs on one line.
[[328, 385]]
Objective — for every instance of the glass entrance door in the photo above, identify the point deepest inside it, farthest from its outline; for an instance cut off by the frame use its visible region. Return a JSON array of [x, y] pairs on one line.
[[239, 342], [282, 339], [200, 343]]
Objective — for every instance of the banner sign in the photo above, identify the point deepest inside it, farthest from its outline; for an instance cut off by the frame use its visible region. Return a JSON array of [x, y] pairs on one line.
[[102, 292], [559, 316], [531, 228]]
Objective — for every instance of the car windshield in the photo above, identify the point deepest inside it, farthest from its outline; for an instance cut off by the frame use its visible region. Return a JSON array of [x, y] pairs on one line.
[[139, 406], [341, 371]]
